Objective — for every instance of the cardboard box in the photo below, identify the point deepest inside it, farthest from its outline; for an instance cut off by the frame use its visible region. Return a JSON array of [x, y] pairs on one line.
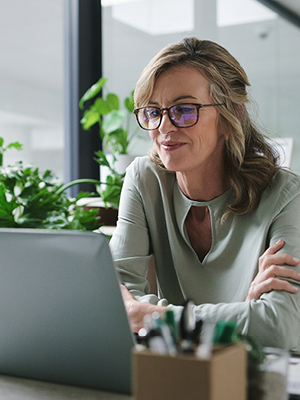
[[185, 377]]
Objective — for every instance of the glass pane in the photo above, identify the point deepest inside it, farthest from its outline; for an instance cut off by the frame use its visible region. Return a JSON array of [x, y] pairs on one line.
[[31, 81]]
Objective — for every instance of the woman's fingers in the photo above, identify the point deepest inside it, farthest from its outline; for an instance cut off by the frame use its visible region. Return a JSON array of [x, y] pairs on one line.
[[127, 296], [266, 286], [137, 310], [267, 259], [280, 259], [274, 248], [271, 273], [276, 271], [271, 257]]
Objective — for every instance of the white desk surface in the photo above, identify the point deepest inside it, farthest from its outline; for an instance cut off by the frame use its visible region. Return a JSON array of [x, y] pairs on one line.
[[12, 388]]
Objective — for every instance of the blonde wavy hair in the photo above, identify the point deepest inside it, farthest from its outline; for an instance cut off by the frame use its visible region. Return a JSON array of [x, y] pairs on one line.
[[250, 162]]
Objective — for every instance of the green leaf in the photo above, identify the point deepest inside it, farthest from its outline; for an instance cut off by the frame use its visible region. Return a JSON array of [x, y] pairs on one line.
[[15, 145], [83, 195], [90, 118], [114, 120], [101, 106], [37, 201], [88, 219], [113, 102], [111, 194], [118, 141], [102, 159], [111, 197], [129, 103], [6, 210], [92, 91]]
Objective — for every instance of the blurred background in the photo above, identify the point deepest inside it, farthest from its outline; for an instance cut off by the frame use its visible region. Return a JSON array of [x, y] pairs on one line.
[[38, 42]]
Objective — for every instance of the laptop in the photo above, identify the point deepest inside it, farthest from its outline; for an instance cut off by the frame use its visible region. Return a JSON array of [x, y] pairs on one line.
[[62, 317]]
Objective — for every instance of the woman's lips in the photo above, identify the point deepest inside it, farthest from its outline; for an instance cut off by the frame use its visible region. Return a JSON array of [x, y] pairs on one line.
[[171, 146]]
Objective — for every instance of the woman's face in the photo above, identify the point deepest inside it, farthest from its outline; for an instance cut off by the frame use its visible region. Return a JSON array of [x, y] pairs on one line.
[[197, 148]]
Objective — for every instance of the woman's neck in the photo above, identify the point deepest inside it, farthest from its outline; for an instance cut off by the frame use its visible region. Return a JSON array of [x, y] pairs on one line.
[[202, 187]]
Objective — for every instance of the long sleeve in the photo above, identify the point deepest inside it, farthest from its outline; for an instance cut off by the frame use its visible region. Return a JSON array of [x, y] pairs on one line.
[[152, 221]]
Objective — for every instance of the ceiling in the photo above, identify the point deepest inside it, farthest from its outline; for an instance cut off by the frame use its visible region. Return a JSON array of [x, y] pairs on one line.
[[289, 9], [292, 5]]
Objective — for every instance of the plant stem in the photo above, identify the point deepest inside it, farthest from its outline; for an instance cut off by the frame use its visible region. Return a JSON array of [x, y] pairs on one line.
[[83, 180], [77, 182]]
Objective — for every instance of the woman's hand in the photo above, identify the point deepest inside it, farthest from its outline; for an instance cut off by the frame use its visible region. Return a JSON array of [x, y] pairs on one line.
[[269, 270], [137, 310]]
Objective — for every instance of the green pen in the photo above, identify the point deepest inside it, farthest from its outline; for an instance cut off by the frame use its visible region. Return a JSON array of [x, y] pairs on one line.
[[170, 321], [225, 332]]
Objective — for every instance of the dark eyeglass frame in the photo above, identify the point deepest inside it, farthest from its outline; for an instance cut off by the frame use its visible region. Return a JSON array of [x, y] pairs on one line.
[[161, 110]]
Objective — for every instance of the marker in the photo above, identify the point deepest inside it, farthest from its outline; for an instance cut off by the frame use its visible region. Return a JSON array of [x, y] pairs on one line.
[[187, 327], [156, 344], [164, 330], [207, 337], [170, 321], [225, 332]]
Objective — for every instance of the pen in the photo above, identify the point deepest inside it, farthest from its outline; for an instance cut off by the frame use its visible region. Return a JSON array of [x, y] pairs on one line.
[[225, 332], [170, 321], [156, 344], [157, 336], [206, 342], [164, 330], [187, 327]]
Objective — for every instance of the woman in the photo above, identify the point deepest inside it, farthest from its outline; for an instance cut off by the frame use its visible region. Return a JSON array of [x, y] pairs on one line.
[[211, 204]]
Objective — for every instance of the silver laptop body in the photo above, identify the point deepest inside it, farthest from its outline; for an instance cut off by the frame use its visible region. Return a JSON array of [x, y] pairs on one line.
[[62, 316]]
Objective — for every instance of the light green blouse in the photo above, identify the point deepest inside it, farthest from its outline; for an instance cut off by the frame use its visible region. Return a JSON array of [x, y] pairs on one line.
[[152, 221]]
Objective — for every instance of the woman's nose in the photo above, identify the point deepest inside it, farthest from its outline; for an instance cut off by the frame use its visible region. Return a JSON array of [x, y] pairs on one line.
[[166, 125]]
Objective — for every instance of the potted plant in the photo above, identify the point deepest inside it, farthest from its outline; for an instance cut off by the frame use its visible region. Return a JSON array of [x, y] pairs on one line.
[[29, 199], [116, 134], [113, 121]]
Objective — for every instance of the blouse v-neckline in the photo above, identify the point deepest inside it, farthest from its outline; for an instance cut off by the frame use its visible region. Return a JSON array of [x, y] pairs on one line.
[[216, 207]]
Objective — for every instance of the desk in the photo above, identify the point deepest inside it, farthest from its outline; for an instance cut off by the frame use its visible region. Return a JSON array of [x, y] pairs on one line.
[[12, 388]]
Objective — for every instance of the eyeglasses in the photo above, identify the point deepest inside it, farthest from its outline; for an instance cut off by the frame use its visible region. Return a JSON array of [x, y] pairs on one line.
[[181, 115]]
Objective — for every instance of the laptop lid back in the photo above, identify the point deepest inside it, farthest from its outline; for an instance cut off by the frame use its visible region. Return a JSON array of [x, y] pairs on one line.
[[61, 310]]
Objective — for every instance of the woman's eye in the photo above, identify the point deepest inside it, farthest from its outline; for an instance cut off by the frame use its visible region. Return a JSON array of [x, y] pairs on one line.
[[185, 109], [153, 113]]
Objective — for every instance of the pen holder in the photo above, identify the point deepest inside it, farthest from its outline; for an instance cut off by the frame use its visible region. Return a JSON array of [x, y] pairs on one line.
[[162, 377]]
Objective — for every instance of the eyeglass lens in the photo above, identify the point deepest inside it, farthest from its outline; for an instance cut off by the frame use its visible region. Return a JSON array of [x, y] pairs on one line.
[[184, 115], [181, 115]]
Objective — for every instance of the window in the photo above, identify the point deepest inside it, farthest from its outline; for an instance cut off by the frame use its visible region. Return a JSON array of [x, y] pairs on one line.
[[31, 81], [266, 45]]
